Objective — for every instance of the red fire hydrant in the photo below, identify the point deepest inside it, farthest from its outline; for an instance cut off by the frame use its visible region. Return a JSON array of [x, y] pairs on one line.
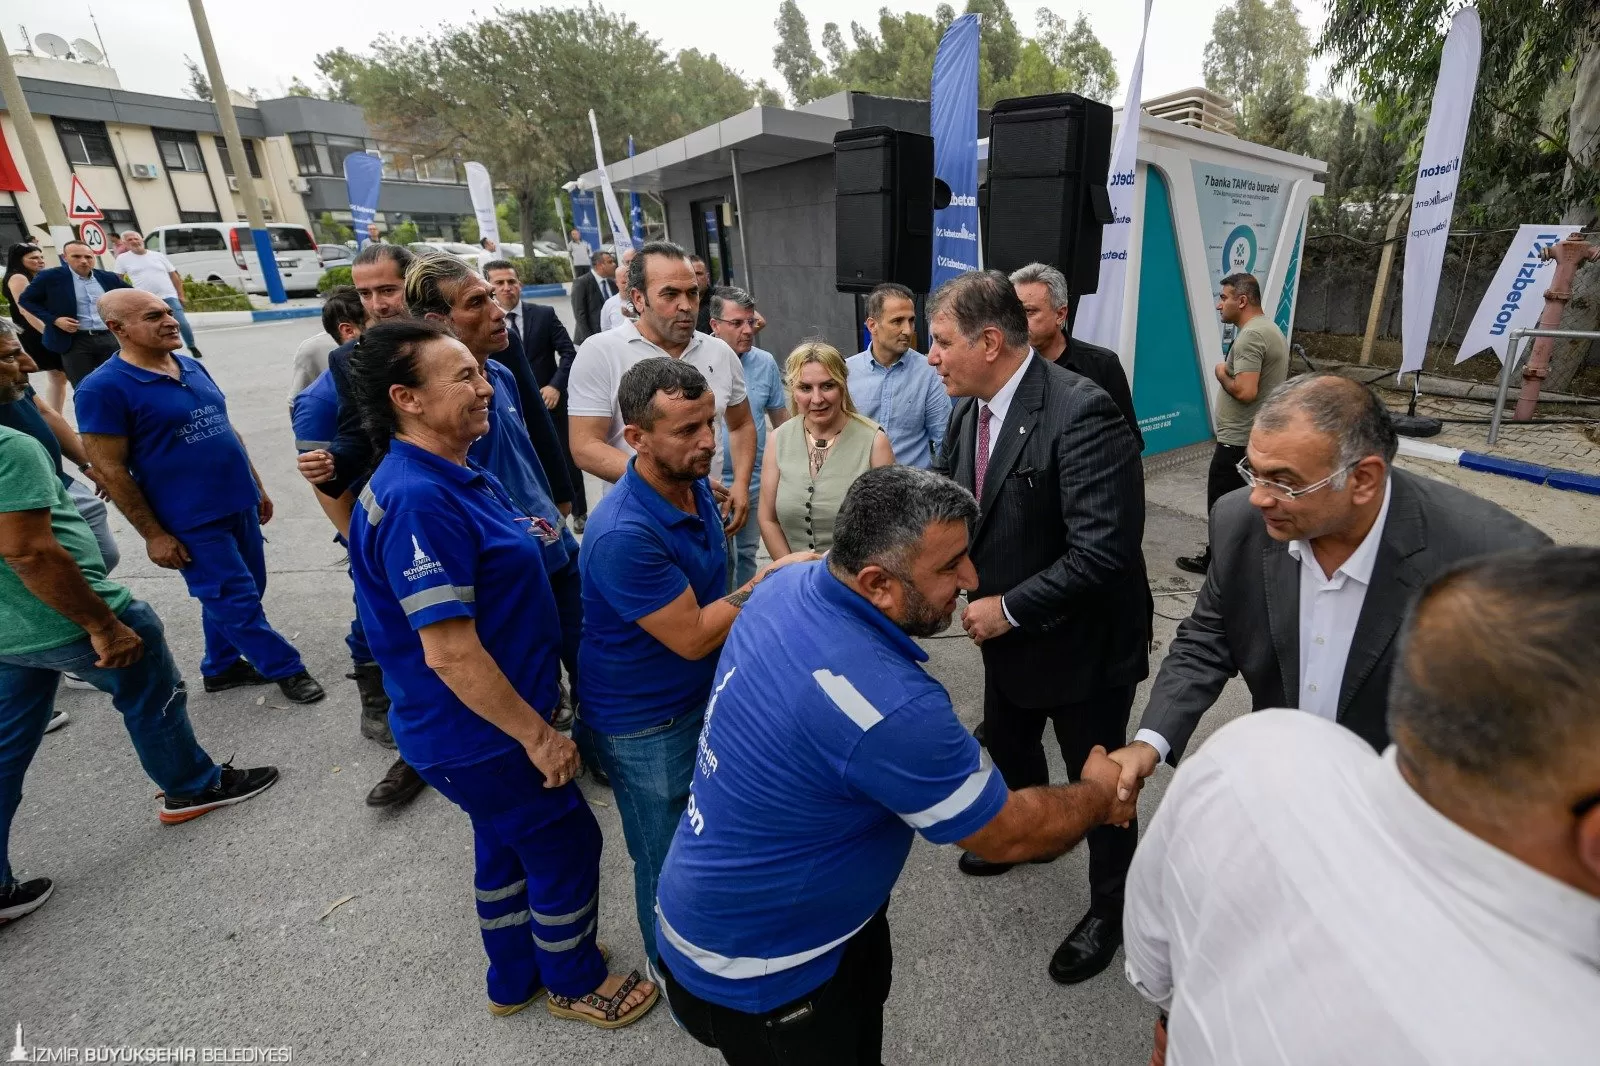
[[1569, 255]]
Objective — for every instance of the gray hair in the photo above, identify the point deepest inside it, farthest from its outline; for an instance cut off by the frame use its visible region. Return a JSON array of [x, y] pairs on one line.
[[1048, 276], [889, 290], [885, 513], [7, 328], [1347, 411], [728, 294], [982, 298]]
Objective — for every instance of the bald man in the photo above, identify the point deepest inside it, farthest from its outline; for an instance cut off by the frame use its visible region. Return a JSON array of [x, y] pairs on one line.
[[156, 428]]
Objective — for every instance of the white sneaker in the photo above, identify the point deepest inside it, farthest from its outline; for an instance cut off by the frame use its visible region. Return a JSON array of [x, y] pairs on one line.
[[57, 720]]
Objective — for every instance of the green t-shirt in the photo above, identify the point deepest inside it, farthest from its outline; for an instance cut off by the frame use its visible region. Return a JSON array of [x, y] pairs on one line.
[[1258, 348], [29, 483]]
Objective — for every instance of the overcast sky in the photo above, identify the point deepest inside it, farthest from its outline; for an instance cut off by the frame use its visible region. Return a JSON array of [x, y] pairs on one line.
[[265, 44]]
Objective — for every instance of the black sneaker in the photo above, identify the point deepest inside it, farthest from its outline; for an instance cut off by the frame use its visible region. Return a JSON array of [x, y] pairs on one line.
[[301, 688], [235, 786], [238, 675], [1196, 564], [194, 353], [24, 897], [400, 785]]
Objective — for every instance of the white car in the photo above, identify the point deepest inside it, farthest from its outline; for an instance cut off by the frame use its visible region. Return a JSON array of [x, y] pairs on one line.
[[225, 252]]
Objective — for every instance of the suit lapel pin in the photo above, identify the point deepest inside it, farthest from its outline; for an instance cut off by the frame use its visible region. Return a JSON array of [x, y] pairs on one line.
[[1021, 430]]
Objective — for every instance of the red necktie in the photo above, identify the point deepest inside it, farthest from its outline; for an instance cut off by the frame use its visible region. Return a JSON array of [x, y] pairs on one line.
[[981, 465]]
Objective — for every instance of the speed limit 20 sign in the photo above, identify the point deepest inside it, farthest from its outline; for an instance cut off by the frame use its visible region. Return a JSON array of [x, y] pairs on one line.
[[91, 234]]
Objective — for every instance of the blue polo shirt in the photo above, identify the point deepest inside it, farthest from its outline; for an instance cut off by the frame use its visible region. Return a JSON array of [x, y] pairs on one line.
[[430, 540], [182, 450], [507, 453], [314, 413], [907, 399], [825, 747], [763, 387], [639, 554]]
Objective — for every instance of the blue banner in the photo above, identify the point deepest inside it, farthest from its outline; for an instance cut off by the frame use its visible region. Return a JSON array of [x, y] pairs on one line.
[[585, 219], [635, 209], [363, 177], [955, 149]]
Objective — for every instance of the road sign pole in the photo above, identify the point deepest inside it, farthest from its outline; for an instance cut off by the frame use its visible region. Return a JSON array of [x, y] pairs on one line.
[[230, 133], [33, 150]]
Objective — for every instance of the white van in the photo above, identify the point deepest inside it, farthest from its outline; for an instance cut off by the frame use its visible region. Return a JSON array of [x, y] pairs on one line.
[[225, 252]]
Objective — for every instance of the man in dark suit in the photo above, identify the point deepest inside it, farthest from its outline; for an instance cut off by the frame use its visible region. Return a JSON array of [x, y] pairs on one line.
[[589, 294], [64, 298], [1306, 604], [1061, 610], [539, 343], [1047, 301]]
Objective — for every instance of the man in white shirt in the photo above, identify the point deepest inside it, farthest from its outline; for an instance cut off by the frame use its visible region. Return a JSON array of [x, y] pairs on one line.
[[666, 299], [1320, 557], [154, 273], [579, 250], [1301, 899], [615, 311]]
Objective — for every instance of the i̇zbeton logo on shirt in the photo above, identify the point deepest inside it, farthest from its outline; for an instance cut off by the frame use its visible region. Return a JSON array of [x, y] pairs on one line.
[[421, 566]]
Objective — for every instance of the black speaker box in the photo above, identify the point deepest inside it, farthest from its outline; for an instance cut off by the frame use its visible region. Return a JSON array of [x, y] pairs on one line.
[[883, 210], [1048, 161]]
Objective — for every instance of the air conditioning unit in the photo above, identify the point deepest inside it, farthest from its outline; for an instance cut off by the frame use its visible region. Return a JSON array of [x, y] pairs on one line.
[[266, 206], [143, 171], [233, 184], [299, 184]]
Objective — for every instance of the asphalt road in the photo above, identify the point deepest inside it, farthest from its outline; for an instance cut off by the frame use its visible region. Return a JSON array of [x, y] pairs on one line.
[[223, 931]]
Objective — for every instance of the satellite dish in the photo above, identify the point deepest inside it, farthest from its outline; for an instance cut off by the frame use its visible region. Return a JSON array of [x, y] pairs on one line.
[[87, 51], [53, 45]]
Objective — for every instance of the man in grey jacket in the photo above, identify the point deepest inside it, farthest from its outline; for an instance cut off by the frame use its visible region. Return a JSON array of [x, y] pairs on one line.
[[1315, 565]]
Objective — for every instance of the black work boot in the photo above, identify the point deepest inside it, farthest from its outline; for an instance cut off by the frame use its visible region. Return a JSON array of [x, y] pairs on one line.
[[374, 703]]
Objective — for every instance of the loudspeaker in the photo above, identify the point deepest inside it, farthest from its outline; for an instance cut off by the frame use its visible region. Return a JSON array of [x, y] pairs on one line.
[[1048, 160], [883, 208]]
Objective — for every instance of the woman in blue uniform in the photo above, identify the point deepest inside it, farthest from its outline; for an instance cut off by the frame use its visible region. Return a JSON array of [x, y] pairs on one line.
[[450, 577]]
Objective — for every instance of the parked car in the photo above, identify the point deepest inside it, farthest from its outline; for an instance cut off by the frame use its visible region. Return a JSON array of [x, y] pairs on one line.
[[335, 254], [224, 252]]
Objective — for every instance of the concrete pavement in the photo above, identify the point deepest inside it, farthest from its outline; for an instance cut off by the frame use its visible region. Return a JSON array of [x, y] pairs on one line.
[[223, 931]]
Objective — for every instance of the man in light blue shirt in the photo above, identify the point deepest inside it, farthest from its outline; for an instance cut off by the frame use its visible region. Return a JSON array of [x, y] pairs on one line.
[[894, 385], [88, 290], [733, 320]]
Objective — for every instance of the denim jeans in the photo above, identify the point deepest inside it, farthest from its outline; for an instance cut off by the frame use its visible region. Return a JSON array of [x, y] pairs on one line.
[[93, 510], [150, 695], [746, 542], [650, 771], [183, 321]]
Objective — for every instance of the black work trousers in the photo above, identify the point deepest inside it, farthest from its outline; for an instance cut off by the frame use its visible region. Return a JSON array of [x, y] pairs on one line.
[[1014, 736], [838, 1023], [88, 351]]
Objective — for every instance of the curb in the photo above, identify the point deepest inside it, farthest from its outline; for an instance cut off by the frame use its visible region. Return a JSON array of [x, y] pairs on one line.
[[531, 292], [1534, 473]]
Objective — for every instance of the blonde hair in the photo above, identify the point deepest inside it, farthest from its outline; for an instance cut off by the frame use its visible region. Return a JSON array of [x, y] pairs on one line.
[[826, 356]]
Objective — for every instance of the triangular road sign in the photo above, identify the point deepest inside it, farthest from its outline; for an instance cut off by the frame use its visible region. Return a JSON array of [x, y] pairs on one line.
[[82, 206]]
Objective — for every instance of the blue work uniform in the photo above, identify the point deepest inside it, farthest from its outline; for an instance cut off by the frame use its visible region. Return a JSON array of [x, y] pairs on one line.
[[907, 399], [191, 467], [825, 748], [432, 541], [643, 702], [314, 414]]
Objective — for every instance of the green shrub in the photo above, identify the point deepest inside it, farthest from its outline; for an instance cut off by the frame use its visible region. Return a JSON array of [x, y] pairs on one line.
[[339, 275], [212, 296], [404, 233], [543, 271]]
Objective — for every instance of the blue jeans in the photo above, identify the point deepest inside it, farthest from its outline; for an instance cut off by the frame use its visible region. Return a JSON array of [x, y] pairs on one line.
[[650, 771], [742, 556], [150, 694], [227, 573], [183, 321], [93, 510]]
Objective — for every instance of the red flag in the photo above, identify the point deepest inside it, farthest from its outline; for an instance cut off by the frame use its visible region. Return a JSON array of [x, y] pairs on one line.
[[10, 176]]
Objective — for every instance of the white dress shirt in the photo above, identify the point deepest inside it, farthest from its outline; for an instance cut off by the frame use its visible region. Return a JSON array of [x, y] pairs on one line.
[[998, 405], [1295, 901], [1330, 607], [611, 315]]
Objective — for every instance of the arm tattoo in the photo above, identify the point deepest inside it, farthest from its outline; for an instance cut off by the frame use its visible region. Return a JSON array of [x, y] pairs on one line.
[[737, 599]]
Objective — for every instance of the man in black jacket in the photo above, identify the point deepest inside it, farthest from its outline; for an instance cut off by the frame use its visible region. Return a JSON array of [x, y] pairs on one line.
[[1061, 610], [590, 293]]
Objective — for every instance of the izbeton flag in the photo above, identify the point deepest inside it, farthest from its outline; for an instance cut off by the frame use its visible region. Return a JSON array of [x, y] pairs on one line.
[[1515, 299], [620, 237], [1099, 318], [1434, 200], [482, 191], [953, 117]]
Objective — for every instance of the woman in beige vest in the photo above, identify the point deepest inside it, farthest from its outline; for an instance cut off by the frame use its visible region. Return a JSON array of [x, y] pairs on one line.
[[813, 459]]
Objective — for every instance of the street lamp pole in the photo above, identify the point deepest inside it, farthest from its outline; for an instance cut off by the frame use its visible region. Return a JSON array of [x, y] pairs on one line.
[[55, 216], [230, 133]]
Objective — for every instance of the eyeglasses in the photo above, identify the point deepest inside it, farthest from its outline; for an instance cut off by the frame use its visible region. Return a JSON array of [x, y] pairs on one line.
[[737, 323], [1284, 492]]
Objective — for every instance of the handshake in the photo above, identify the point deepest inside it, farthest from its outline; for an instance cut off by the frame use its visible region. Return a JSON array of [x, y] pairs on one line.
[[1119, 775]]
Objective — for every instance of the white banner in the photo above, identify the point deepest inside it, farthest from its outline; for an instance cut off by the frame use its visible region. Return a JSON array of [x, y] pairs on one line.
[[482, 190], [1515, 299], [621, 238], [1099, 318], [1433, 202]]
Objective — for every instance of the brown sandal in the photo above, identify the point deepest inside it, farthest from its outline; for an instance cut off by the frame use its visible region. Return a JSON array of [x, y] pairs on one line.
[[506, 1010], [561, 1006]]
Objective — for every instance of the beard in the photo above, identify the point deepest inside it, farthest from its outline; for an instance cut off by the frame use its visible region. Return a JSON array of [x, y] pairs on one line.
[[922, 618]]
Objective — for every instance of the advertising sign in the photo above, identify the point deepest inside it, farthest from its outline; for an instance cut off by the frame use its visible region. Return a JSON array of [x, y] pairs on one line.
[[1241, 216], [954, 121], [1515, 298]]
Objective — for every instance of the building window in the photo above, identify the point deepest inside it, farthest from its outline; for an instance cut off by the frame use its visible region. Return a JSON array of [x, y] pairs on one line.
[[249, 156], [12, 231], [199, 216], [116, 223], [398, 165], [179, 150], [85, 143], [439, 169], [318, 153]]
